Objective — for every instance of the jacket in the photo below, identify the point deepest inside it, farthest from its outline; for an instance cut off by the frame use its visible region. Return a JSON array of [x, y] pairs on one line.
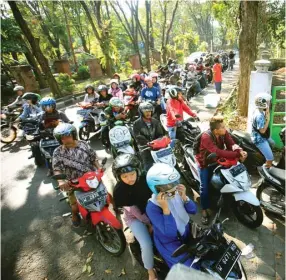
[[117, 92], [149, 133], [152, 93], [177, 107], [30, 111], [111, 115], [208, 146]]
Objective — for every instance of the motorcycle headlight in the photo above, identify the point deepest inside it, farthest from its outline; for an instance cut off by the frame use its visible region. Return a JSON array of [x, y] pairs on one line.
[[93, 183]]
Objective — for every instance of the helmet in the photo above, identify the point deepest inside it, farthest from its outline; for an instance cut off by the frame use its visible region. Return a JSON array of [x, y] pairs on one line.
[[191, 67], [172, 65], [89, 86], [177, 71], [31, 96], [145, 107], [148, 79], [174, 91], [101, 88], [262, 99], [125, 163], [116, 102], [162, 175], [48, 102], [154, 75], [16, 88], [137, 77], [115, 74], [65, 129], [114, 81]]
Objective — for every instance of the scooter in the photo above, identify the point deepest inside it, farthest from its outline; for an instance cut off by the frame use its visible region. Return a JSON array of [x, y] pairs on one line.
[[93, 202], [214, 254], [89, 121], [271, 189], [229, 186]]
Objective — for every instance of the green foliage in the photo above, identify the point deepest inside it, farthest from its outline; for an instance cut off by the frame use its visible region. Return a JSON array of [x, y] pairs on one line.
[[83, 72], [203, 47], [126, 68], [180, 56], [66, 84]]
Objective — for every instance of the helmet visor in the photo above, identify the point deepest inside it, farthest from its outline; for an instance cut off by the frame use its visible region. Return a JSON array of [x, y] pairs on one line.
[[169, 190]]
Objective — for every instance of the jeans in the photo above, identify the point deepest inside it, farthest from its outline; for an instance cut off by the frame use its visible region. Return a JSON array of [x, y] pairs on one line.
[[172, 132], [147, 159], [205, 178], [198, 87], [218, 87], [142, 235], [105, 136], [265, 148]]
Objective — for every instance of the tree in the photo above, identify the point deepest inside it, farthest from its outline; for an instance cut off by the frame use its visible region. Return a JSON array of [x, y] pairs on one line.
[[248, 15], [35, 46]]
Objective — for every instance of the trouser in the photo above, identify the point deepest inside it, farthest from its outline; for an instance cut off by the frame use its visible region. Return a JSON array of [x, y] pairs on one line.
[[147, 159], [158, 111], [198, 87], [265, 148], [105, 136], [176, 133], [218, 87], [142, 235], [205, 178]]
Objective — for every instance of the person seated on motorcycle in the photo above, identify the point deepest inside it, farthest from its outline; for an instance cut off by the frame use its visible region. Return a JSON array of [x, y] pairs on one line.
[[122, 85], [104, 97], [73, 158], [260, 134], [174, 79], [168, 210], [114, 112], [192, 75], [18, 102], [90, 95], [214, 140], [151, 93], [51, 116], [31, 108], [147, 129], [136, 80], [175, 108], [132, 193], [200, 70], [115, 90]]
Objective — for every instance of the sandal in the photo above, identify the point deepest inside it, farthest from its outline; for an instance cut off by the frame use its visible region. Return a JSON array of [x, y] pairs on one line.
[[76, 223]]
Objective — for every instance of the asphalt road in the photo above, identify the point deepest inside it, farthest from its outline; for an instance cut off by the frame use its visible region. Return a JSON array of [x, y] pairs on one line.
[[39, 243]]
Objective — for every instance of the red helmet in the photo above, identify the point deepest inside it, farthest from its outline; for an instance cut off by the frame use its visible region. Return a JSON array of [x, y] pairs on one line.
[[148, 79], [136, 76]]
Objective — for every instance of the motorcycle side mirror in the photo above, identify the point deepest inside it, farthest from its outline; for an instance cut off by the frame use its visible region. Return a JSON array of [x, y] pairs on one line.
[[104, 161], [212, 156], [181, 250], [59, 177]]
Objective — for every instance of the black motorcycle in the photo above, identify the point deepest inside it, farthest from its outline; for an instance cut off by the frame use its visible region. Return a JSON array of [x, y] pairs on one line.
[[8, 128], [271, 189]]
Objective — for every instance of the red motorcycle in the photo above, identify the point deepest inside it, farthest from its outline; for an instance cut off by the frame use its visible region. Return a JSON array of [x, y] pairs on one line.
[[93, 202]]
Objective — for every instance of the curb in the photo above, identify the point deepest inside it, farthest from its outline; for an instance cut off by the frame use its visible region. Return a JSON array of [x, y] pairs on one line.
[[68, 101]]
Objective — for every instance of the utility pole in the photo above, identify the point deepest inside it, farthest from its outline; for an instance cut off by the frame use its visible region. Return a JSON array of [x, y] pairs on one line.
[[69, 35]]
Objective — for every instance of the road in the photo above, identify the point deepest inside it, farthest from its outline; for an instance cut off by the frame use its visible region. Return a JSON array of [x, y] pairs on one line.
[[39, 243]]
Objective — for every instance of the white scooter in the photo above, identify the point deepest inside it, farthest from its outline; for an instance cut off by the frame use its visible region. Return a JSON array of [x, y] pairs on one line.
[[230, 184]]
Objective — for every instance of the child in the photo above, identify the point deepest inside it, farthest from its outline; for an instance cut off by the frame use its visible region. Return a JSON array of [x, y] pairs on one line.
[[217, 75]]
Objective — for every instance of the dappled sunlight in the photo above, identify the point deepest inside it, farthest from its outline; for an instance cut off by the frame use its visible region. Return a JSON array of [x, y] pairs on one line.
[[45, 189]]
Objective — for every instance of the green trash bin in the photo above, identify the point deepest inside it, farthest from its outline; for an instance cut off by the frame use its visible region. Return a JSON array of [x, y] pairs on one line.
[[277, 114]]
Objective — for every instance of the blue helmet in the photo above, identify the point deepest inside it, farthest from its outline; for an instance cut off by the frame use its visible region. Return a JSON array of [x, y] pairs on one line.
[[65, 129], [162, 175], [48, 102]]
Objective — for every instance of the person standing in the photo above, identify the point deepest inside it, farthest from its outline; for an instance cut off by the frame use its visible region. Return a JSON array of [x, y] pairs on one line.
[[217, 75]]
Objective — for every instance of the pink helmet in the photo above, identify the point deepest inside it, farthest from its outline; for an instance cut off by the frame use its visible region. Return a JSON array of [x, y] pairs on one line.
[[154, 75], [148, 79], [191, 67]]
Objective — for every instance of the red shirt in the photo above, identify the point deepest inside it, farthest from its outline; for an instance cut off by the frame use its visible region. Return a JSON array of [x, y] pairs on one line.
[[207, 146], [177, 107], [217, 70]]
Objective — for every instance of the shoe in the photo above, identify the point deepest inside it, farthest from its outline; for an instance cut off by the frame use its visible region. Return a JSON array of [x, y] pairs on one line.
[[76, 223]]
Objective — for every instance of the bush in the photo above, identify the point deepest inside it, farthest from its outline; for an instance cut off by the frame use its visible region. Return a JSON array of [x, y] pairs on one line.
[[66, 84], [83, 72]]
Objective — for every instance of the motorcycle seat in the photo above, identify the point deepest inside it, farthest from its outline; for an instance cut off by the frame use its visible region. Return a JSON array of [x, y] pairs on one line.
[[246, 136], [25, 121], [277, 173]]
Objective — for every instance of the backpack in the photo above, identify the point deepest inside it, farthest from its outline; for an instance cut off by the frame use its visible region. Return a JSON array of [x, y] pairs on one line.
[[197, 141]]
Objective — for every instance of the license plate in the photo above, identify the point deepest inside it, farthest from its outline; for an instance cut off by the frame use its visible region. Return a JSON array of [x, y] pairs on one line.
[[228, 260], [236, 170], [83, 112], [50, 143], [86, 199], [164, 153]]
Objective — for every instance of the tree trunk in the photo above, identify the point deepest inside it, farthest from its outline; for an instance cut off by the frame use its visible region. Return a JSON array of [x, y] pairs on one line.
[[147, 48], [34, 43], [32, 61], [152, 41], [247, 50], [84, 45]]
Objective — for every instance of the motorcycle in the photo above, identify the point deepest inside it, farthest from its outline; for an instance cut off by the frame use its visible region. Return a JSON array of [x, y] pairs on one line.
[[271, 190], [214, 255], [121, 139], [229, 186], [93, 202], [89, 121], [131, 107]]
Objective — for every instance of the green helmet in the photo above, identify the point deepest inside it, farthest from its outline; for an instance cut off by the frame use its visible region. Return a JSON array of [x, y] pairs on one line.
[[116, 102]]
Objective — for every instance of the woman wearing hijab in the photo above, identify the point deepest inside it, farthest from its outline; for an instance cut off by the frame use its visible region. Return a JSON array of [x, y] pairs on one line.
[[168, 210], [132, 193], [115, 90]]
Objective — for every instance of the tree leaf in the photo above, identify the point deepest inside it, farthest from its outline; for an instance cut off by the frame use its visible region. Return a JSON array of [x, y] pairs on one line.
[[92, 273], [88, 268], [122, 272], [108, 271], [88, 260], [84, 268]]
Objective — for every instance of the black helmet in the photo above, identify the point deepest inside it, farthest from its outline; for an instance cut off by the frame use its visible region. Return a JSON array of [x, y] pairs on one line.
[[89, 86], [31, 96], [65, 129], [144, 107], [126, 163], [174, 91], [101, 88]]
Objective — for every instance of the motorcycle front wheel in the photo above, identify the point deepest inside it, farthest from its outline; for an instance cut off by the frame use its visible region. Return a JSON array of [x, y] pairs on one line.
[[111, 239], [8, 134], [248, 214], [84, 133]]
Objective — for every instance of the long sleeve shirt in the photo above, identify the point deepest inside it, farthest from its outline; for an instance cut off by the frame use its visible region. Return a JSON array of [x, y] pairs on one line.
[[30, 111]]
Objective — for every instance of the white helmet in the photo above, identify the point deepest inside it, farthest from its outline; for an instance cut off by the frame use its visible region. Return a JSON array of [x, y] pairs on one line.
[[262, 99], [114, 81]]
